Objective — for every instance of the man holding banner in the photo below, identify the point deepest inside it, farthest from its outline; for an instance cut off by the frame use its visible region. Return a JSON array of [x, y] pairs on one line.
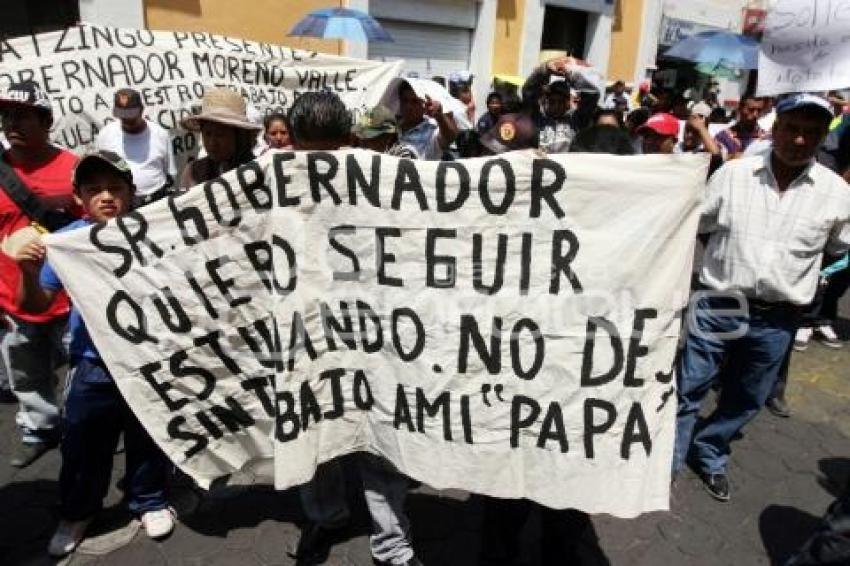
[[36, 184], [769, 218]]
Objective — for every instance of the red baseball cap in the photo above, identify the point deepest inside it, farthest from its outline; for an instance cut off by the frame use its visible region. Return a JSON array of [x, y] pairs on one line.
[[662, 123]]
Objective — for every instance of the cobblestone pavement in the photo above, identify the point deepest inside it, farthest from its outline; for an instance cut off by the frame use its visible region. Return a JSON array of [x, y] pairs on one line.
[[784, 473]]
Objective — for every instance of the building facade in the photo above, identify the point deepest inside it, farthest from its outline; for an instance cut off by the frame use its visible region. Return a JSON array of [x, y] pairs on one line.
[[634, 40], [532, 30], [434, 37], [624, 39]]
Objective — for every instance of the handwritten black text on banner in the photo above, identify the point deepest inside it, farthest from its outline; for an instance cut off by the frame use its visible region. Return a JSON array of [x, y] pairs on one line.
[[499, 325], [81, 67], [805, 47]]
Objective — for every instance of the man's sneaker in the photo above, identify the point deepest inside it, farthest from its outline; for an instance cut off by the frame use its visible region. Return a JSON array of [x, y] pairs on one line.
[[67, 537], [158, 523], [801, 339], [27, 453], [827, 336], [778, 407], [717, 485]]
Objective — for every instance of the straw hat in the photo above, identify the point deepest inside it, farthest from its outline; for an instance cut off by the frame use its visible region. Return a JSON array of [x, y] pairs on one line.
[[222, 106]]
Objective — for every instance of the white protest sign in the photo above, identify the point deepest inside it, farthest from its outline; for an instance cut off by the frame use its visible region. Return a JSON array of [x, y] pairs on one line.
[[81, 67], [805, 47], [505, 326]]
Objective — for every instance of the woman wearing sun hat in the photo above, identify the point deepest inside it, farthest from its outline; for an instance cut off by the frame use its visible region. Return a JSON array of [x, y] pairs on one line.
[[227, 133]]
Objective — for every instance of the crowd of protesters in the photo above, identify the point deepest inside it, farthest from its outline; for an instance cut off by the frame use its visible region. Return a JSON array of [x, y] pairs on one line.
[[775, 232]]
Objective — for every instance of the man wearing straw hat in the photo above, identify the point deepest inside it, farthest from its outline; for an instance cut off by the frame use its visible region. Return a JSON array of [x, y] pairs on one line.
[[227, 134]]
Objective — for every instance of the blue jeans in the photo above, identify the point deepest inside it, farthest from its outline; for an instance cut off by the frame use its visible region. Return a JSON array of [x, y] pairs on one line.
[[753, 358], [95, 415]]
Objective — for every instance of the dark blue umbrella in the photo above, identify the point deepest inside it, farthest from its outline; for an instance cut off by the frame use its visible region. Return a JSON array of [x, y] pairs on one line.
[[718, 49], [341, 23]]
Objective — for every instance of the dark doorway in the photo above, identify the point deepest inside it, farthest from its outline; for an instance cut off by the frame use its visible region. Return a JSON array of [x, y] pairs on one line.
[[24, 17], [565, 30]]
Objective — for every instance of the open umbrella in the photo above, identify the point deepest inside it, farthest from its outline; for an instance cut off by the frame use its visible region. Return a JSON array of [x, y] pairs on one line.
[[718, 48], [340, 23], [719, 70]]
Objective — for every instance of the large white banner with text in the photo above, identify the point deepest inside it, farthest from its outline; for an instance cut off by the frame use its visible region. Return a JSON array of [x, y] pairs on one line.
[[501, 325]]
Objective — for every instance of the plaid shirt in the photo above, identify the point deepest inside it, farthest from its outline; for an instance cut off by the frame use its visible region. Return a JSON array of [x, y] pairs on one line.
[[766, 243]]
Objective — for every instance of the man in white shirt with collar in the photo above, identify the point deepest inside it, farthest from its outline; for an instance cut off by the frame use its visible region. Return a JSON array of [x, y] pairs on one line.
[[145, 145], [769, 219]]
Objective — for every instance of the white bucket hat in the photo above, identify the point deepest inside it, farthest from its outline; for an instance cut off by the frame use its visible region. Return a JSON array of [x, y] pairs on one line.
[[222, 106]]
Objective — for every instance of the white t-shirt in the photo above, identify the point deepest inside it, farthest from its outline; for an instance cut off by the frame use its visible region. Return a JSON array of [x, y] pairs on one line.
[[148, 153]]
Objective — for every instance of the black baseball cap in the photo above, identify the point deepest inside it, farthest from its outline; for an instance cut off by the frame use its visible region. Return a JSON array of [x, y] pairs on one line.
[[25, 93], [560, 87], [97, 159], [128, 103]]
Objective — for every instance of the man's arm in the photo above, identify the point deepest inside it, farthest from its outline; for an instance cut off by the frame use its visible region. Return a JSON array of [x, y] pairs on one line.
[[711, 146], [838, 242], [171, 161], [32, 297], [446, 123], [532, 89], [843, 152]]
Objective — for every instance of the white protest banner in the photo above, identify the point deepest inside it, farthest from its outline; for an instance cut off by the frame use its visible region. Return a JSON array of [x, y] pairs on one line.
[[505, 325], [81, 67], [805, 47]]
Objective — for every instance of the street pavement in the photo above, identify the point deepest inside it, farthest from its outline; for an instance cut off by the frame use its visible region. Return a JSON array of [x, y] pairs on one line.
[[784, 473]]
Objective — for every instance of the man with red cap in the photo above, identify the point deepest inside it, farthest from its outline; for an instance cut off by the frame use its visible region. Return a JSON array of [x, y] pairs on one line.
[[660, 133]]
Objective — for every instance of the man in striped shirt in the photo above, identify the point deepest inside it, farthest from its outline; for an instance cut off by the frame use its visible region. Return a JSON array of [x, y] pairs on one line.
[[769, 219]]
